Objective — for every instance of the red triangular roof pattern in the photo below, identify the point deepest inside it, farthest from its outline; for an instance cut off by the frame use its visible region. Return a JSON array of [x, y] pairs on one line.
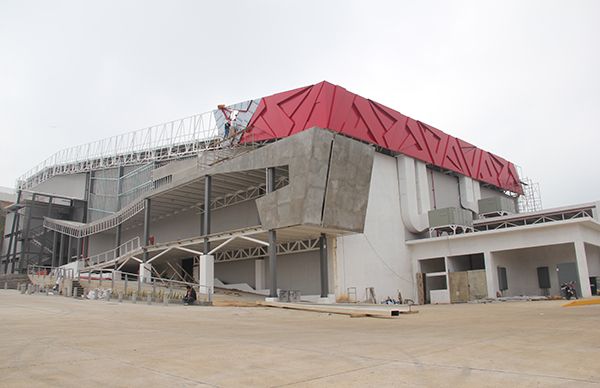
[[329, 106]]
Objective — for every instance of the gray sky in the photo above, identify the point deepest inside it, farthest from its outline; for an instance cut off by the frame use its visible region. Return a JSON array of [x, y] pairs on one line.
[[518, 78]]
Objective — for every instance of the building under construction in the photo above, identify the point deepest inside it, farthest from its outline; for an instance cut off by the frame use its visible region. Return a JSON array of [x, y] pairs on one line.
[[316, 190]]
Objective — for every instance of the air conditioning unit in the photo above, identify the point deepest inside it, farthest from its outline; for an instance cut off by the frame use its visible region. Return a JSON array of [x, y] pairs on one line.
[[496, 206]]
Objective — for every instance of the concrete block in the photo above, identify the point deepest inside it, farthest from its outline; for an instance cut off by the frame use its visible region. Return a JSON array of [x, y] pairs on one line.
[[271, 299]]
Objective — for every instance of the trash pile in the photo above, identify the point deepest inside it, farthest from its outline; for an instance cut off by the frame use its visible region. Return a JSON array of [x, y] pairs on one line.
[[99, 293]]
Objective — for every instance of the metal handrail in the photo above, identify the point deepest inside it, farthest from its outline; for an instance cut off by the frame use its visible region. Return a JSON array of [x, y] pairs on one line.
[[123, 250], [185, 135], [41, 270]]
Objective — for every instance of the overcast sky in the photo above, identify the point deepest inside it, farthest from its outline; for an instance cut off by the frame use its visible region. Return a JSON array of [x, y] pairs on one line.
[[518, 78]]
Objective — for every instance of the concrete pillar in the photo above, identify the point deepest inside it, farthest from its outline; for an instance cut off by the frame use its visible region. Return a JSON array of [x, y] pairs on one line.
[[145, 272], [207, 200], [324, 269], [491, 274], [207, 274], [259, 274], [582, 269]]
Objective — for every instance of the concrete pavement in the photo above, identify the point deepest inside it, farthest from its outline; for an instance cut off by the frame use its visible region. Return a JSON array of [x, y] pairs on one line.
[[56, 341]]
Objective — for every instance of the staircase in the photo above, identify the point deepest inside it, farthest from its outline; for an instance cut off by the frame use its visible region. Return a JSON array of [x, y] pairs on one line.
[[77, 289]]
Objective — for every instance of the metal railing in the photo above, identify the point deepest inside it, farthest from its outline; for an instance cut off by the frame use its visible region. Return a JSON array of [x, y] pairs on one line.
[[112, 254], [58, 272], [149, 285], [173, 139]]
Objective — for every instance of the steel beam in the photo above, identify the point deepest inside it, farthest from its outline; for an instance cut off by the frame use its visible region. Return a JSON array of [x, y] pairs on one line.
[[206, 224], [69, 250], [62, 250], [12, 234], [272, 239], [323, 261], [55, 258], [25, 236], [146, 228]]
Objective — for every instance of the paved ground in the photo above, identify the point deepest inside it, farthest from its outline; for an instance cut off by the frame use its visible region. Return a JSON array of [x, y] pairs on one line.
[[57, 341]]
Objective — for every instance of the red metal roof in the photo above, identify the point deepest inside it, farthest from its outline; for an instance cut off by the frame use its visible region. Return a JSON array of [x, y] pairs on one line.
[[333, 107]]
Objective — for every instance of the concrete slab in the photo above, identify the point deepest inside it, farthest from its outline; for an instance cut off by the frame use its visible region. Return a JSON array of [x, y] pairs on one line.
[[99, 343]]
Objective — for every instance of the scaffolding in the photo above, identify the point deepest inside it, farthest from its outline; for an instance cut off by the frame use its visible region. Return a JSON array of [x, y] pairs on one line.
[[531, 200]]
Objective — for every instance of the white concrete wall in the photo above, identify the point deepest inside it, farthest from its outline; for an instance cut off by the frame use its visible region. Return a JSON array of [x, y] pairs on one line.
[[521, 267], [378, 258], [67, 185]]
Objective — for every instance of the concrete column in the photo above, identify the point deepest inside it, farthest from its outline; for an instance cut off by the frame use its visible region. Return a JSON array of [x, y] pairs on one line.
[[324, 269], [582, 269], [207, 277], [207, 200], [491, 274], [145, 272], [259, 274]]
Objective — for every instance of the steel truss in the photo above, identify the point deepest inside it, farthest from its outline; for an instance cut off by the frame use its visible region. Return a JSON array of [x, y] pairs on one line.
[[283, 248], [134, 208], [172, 140], [534, 219]]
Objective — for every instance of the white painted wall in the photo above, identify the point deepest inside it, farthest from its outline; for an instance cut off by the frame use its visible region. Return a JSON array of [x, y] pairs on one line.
[[378, 257]]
